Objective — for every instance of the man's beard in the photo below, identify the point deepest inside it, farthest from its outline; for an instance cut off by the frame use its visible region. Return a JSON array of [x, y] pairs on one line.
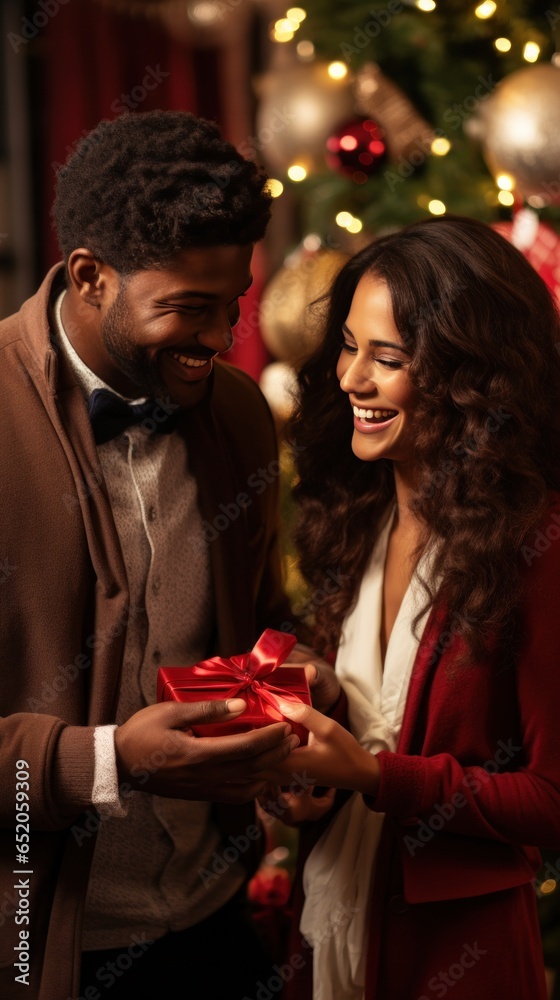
[[132, 361]]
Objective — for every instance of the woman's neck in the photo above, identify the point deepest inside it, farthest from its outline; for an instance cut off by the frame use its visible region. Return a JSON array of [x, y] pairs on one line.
[[405, 487]]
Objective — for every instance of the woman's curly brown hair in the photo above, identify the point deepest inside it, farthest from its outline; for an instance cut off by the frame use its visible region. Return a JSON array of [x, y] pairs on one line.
[[484, 333]]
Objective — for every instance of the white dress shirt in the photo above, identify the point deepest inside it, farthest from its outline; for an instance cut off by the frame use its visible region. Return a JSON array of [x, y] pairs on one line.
[[338, 872]]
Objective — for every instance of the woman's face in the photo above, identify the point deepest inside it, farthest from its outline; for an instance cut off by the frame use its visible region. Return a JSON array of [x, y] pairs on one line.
[[373, 371]]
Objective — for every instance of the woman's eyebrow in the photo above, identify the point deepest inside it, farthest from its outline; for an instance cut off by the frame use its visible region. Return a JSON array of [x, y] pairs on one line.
[[378, 343]]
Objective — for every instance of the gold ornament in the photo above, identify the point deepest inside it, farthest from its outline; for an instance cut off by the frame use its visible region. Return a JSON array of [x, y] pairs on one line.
[[291, 321], [379, 98], [279, 386], [298, 108], [518, 126]]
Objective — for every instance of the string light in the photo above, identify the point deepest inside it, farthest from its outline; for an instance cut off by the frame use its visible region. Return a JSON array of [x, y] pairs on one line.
[[281, 35], [440, 146], [531, 51], [502, 44], [344, 219], [348, 221], [305, 49], [297, 172], [485, 9], [312, 242], [285, 25], [274, 187], [337, 70], [535, 201], [505, 182], [549, 885], [204, 12], [505, 198], [285, 28], [436, 207], [297, 14], [426, 5]]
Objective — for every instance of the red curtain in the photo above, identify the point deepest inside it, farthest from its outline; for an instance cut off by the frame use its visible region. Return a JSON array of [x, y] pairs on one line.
[[96, 64]]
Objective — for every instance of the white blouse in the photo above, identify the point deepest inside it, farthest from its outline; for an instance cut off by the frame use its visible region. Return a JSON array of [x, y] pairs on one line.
[[338, 872]]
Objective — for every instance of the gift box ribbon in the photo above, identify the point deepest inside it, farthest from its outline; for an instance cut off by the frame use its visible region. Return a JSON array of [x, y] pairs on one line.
[[249, 671]]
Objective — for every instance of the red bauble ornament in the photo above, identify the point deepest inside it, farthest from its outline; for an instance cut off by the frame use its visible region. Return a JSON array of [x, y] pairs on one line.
[[357, 149]]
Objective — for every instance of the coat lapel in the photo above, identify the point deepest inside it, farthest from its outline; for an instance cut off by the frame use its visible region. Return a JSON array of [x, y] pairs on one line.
[[65, 405], [427, 657]]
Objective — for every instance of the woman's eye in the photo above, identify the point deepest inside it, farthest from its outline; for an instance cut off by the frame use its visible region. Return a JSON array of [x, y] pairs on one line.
[[389, 363], [348, 347]]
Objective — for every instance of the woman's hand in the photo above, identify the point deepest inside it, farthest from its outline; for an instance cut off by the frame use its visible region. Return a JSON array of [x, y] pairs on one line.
[[333, 757], [293, 808], [324, 685]]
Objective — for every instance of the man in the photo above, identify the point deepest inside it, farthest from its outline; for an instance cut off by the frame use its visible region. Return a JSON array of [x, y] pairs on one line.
[[132, 536]]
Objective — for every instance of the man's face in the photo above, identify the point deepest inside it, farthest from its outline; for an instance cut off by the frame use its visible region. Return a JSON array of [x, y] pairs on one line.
[[164, 327]]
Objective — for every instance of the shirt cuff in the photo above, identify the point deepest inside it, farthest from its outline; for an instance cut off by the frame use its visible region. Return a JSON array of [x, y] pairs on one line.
[[105, 793]]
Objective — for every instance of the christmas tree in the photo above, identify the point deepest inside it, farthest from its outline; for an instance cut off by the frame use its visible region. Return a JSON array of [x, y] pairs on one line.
[[425, 69]]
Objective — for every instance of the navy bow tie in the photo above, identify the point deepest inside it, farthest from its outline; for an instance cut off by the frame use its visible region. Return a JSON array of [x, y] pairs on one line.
[[110, 415]]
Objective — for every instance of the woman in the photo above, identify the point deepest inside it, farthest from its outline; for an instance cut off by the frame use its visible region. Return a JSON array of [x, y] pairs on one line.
[[428, 455]]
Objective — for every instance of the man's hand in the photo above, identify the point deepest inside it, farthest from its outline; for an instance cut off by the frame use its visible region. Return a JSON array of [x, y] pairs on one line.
[[157, 752], [324, 685], [294, 808]]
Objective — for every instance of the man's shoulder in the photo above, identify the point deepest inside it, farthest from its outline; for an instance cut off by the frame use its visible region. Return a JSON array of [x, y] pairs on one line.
[[231, 382], [242, 411], [10, 330], [235, 393]]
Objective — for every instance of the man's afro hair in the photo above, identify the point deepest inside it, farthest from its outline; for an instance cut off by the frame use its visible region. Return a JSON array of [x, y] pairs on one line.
[[141, 188]]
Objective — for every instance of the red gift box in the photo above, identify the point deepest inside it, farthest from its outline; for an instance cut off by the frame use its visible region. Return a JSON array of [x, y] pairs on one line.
[[257, 677]]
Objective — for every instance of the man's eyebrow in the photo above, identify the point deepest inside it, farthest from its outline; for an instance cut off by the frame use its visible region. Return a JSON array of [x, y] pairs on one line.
[[208, 296], [378, 343]]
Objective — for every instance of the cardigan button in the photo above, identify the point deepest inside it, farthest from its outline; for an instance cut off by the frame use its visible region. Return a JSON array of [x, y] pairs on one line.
[[397, 904]]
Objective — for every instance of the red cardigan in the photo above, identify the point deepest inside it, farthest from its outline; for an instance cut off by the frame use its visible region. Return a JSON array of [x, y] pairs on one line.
[[471, 794]]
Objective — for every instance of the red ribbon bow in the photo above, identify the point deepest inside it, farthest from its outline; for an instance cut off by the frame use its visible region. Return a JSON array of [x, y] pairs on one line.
[[248, 670]]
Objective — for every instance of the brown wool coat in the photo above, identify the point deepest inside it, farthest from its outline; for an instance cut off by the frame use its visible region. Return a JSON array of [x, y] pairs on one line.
[[63, 601]]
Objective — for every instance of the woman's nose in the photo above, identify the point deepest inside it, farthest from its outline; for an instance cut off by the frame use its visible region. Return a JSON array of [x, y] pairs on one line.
[[357, 378]]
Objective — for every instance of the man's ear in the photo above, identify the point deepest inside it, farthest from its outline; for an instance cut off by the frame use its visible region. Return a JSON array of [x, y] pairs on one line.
[[94, 281]]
